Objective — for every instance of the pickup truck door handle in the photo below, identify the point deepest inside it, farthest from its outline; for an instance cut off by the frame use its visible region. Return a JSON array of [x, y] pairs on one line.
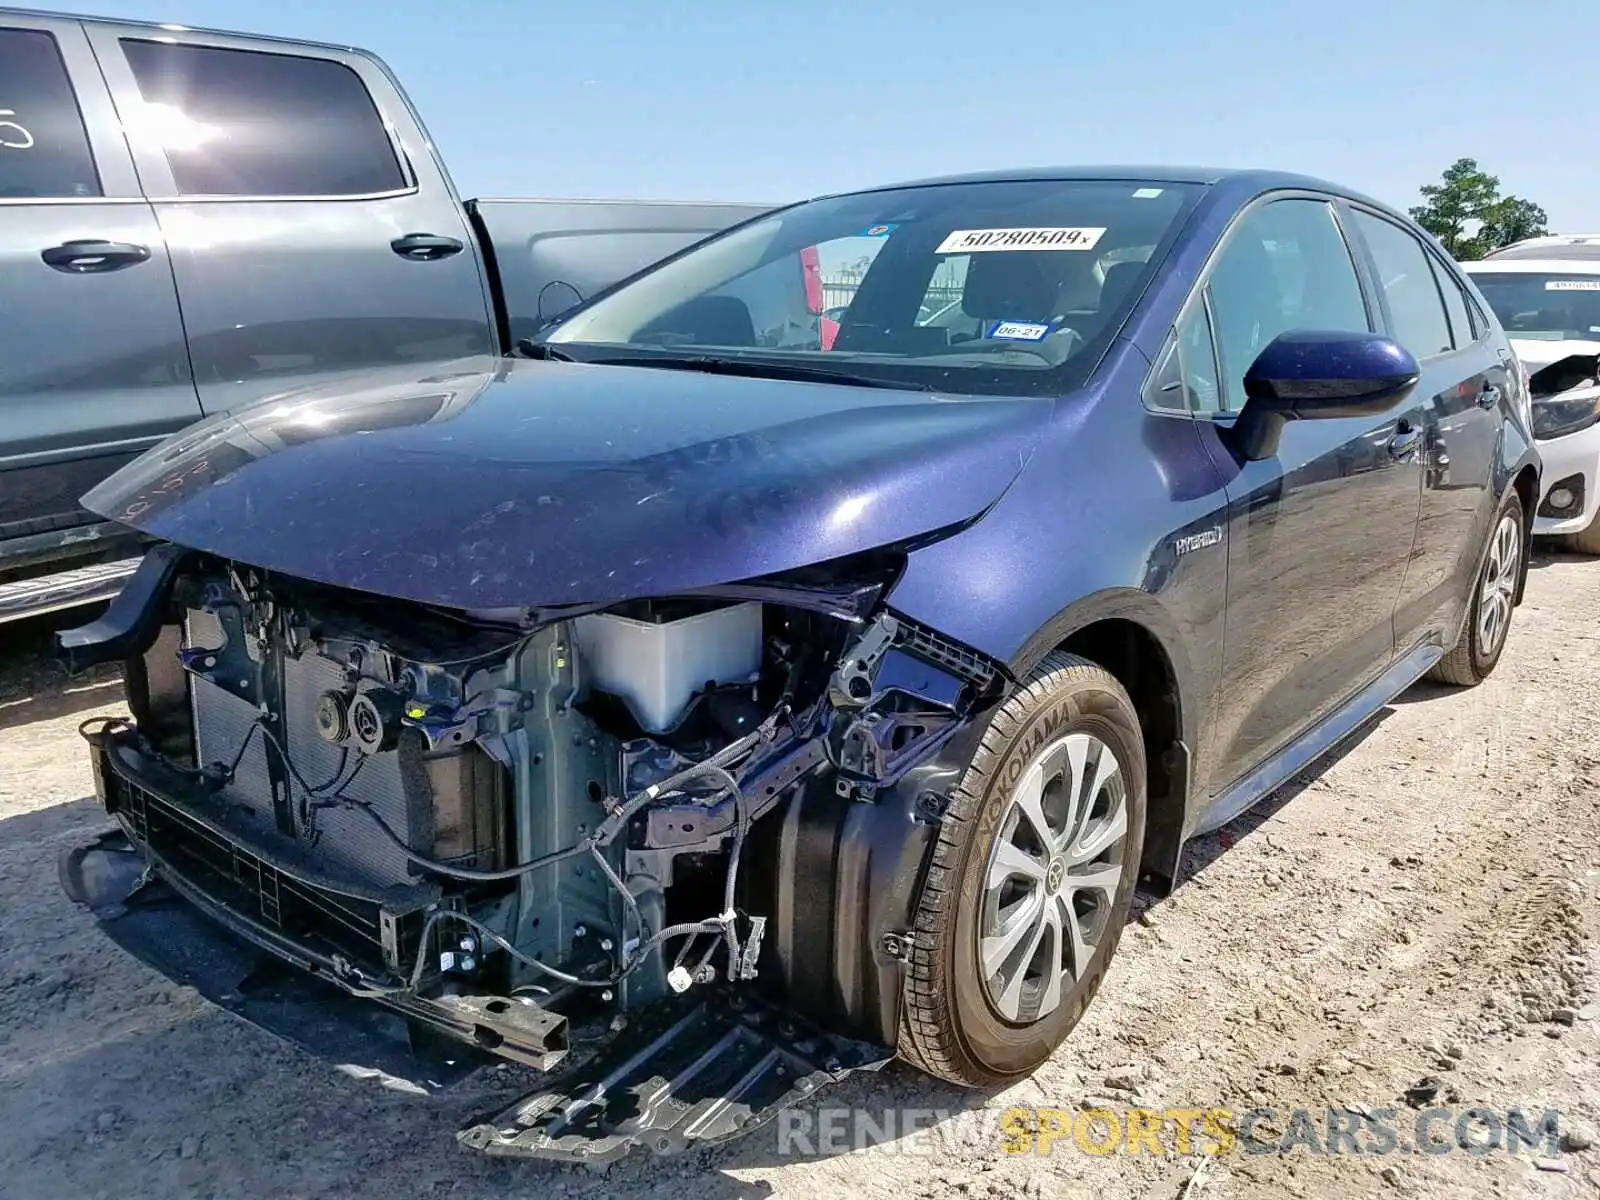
[[1405, 442], [92, 256], [426, 247], [1490, 396]]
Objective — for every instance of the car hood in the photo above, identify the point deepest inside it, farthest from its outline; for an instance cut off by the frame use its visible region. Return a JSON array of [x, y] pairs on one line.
[[501, 483], [1535, 353]]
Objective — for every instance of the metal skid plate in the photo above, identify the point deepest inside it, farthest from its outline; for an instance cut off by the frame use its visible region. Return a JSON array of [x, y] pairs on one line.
[[685, 1073]]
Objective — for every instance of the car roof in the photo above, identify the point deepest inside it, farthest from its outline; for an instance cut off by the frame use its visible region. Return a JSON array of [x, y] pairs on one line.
[[1566, 247], [1266, 180], [1226, 186], [157, 27], [1551, 262]]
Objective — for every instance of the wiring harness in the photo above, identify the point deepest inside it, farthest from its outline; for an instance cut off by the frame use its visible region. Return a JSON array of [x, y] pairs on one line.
[[638, 941]]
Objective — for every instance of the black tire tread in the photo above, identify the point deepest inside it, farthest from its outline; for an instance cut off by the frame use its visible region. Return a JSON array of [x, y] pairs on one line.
[[1459, 667], [928, 1037]]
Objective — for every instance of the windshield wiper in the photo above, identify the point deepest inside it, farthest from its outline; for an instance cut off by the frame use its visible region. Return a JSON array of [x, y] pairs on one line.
[[761, 369], [529, 348]]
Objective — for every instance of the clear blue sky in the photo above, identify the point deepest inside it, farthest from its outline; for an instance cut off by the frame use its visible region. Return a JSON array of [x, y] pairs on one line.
[[770, 100]]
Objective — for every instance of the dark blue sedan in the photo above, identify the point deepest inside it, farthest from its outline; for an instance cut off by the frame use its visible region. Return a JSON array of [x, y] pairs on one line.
[[852, 660]]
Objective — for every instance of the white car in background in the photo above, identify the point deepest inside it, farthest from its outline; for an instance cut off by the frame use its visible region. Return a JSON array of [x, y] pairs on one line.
[[1546, 292]]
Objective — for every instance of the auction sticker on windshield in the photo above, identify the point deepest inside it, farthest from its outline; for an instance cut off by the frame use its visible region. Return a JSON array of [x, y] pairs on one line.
[[974, 241], [1572, 285]]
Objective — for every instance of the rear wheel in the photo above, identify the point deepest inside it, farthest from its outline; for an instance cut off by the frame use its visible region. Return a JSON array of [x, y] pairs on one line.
[[1031, 879], [1494, 595]]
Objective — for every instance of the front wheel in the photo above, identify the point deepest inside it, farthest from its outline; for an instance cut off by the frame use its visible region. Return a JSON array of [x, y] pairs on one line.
[[1031, 879], [1494, 595]]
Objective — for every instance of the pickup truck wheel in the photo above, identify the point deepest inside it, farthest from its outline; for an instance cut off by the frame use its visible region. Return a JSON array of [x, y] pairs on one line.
[[1494, 595], [1030, 880]]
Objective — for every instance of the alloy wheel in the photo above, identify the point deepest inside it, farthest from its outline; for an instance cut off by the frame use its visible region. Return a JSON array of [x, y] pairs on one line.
[[1052, 877], [1498, 587]]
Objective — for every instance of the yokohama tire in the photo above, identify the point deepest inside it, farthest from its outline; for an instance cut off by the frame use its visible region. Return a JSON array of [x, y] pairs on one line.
[[953, 1024]]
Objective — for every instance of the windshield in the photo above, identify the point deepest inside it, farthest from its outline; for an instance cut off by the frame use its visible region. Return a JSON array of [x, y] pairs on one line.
[[1012, 287], [1551, 307]]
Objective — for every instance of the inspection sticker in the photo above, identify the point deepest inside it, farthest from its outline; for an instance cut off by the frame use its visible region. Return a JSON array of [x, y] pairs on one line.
[[974, 241], [1572, 285], [878, 230], [1019, 331]]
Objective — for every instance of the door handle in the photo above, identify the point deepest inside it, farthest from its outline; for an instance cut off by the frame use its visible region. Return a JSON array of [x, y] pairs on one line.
[[1403, 445], [94, 256], [1490, 396], [426, 247]]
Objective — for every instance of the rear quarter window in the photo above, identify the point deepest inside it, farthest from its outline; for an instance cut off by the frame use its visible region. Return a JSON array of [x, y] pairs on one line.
[[247, 123]]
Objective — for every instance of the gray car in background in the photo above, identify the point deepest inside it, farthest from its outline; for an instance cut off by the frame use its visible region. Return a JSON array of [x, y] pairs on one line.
[[192, 221]]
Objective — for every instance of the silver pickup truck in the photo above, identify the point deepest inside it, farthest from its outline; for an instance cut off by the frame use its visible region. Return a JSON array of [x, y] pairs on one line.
[[191, 221]]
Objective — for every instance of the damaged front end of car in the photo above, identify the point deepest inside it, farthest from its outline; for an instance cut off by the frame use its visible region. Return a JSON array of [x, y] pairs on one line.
[[1565, 396], [684, 833]]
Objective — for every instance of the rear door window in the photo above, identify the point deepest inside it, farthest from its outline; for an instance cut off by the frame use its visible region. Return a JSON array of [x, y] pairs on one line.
[[44, 148], [245, 123], [1417, 316]]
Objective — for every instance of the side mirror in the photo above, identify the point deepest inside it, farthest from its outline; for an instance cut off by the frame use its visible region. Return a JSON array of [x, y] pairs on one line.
[[1307, 375]]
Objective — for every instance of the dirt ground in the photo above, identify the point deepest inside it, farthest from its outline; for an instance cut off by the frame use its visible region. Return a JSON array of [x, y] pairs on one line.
[[1422, 905]]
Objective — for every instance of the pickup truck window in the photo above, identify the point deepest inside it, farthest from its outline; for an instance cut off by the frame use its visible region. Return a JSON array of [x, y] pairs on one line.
[[246, 123], [44, 150], [993, 288]]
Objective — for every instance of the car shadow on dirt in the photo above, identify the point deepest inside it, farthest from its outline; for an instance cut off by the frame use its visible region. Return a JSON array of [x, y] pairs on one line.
[[71, 701], [1199, 853], [1548, 553], [35, 687]]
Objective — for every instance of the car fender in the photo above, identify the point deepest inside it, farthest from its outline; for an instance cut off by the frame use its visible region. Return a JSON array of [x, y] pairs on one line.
[[1062, 549]]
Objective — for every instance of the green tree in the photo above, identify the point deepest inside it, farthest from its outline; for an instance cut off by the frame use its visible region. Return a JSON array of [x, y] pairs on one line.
[[1467, 213], [1510, 220]]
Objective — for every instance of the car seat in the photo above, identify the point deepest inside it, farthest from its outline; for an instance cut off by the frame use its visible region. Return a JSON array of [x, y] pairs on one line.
[[1012, 285], [1120, 280]]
